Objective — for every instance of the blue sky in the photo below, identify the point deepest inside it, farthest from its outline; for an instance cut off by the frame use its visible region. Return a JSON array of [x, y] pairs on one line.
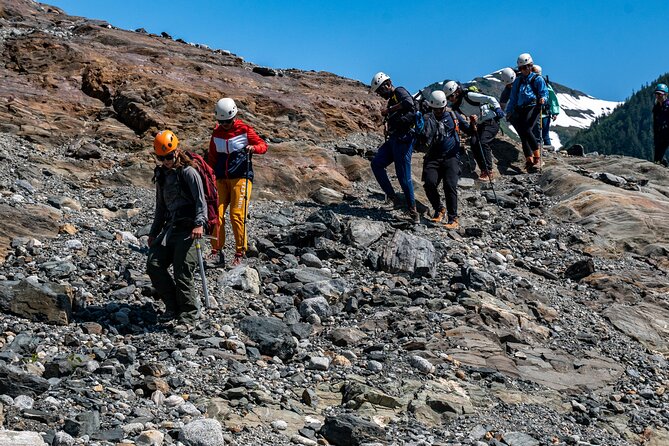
[[607, 49]]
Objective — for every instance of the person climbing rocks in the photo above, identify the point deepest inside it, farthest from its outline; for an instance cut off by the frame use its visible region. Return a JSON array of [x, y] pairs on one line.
[[230, 148], [486, 113], [179, 219], [661, 124], [442, 159], [508, 75], [400, 117], [528, 94], [549, 112]]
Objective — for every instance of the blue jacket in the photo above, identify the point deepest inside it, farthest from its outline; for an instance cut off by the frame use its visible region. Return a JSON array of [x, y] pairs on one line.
[[526, 91]]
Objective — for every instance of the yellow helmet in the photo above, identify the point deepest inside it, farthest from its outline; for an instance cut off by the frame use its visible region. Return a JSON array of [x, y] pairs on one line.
[[165, 142]]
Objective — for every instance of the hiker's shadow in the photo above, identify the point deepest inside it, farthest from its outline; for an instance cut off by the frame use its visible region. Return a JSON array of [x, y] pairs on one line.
[[508, 157], [121, 318]]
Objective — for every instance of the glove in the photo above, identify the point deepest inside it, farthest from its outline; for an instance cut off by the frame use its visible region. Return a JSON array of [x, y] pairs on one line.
[[499, 114]]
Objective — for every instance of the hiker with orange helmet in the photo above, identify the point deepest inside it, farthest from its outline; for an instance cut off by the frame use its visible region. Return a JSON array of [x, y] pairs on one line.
[[179, 218], [230, 148]]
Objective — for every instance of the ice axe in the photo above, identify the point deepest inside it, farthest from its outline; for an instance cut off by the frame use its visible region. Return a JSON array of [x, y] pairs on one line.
[[200, 261]]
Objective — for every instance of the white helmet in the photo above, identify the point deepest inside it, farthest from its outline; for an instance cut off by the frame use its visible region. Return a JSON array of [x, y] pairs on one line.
[[537, 69], [524, 59], [508, 75], [225, 109], [450, 88], [437, 99], [377, 80]]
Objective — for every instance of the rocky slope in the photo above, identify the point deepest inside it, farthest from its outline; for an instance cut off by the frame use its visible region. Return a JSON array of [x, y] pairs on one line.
[[92, 88], [543, 320]]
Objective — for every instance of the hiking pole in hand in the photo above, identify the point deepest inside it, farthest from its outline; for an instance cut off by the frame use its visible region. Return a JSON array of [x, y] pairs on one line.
[[541, 137], [492, 184], [246, 195], [205, 291]]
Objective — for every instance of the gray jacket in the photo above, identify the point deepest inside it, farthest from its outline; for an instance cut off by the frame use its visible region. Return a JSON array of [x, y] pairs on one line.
[[178, 204]]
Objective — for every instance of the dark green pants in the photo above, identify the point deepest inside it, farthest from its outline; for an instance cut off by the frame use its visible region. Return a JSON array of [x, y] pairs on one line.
[[178, 293]]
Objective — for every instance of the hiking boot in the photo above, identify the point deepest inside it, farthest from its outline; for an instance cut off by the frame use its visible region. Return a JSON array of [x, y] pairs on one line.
[[453, 223], [216, 259], [392, 203], [414, 216], [238, 260], [438, 215], [530, 167]]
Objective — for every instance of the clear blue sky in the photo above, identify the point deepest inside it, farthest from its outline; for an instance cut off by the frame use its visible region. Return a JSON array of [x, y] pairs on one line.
[[607, 49]]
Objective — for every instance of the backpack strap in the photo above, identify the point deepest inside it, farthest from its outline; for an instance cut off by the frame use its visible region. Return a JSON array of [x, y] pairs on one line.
[[469, 101], [456, 125]]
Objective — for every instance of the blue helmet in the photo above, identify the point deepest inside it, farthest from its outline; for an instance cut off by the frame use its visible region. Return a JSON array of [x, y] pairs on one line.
[[662, 88]]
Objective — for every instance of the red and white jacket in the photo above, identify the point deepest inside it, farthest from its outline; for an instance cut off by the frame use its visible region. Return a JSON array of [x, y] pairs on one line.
[[226, 150]]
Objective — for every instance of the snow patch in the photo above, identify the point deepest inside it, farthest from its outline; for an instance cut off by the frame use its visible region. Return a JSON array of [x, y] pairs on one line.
[[588, 108]]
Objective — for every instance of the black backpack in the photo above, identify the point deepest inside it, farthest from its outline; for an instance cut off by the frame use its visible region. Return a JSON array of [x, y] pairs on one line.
[[434, 132]]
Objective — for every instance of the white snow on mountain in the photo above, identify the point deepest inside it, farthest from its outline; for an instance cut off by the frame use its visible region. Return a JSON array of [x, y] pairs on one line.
[[588, 109]]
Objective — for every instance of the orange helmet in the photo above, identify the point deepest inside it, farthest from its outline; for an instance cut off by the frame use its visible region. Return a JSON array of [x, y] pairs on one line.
[[165, 142]]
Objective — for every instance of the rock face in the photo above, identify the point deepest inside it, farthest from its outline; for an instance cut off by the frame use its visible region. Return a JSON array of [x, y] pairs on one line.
[[66, 81]]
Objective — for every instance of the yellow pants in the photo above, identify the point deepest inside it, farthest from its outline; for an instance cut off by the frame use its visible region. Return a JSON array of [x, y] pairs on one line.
[[232, 193]]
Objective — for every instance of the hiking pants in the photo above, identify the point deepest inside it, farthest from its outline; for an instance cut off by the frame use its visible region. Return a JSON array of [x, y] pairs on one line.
[[394, 150], [661, 145], [177, 293], [524, 120], [485, 133], [446, 170], [233, 194]]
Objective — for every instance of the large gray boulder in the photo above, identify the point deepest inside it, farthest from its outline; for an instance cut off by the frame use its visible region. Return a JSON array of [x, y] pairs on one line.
[[43, 302], [362, 233], [408, 253], [202, 432], [272, 336]]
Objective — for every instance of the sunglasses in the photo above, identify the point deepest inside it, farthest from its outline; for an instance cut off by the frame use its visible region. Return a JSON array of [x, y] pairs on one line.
[[226, 121], [168, 157]]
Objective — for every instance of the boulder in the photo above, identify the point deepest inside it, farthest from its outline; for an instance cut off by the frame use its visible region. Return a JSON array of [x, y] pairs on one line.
[[242, 278], [362, 233], [272, 336], [348, 429], [408, 253], [15, 382], [202, 432], [23, 438]]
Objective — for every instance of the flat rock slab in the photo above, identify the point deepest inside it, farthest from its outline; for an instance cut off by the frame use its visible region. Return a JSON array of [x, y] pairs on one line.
[[647, 323], [14, 438]]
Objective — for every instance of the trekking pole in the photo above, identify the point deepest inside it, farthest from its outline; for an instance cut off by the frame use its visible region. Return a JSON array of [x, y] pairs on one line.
[[541, 138], [492, 185], [205, 291], [246, 196]]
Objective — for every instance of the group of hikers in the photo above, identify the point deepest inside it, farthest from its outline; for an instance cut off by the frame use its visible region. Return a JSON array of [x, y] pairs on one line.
[[529, 106], [194, 193]]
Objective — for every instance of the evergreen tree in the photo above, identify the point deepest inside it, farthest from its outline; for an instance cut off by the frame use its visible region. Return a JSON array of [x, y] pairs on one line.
[[626, 131]]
